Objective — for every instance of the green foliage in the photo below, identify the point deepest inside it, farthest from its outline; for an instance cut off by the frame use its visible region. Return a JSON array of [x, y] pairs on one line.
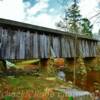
[[86, 27], [8, 98], [97, 68], [74, 23], [72, 15], [27, 85], [51, 69], [81, 70], [71, 20]]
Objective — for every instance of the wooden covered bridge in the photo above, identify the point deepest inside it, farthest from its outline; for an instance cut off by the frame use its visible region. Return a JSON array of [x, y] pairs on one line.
[[24, 41]]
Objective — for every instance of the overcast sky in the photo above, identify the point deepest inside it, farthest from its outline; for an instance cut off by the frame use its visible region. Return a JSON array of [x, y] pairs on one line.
[[44, 12]]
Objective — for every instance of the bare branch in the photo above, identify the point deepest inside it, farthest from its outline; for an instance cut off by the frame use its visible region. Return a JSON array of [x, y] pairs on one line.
[[95, 15]]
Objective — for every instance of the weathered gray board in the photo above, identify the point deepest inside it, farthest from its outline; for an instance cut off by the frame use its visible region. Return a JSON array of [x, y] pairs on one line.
[[19, 44]]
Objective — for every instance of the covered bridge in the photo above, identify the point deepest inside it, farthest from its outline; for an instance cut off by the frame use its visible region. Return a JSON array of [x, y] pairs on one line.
[[24, 41]]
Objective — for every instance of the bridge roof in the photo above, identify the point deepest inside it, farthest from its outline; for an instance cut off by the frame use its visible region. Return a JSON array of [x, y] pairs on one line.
[[22, 25]]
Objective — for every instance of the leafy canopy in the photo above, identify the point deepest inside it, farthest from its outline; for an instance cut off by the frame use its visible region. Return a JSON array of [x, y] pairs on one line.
[[74, 23]]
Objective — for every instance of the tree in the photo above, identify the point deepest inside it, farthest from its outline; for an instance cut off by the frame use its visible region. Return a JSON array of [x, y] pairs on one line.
[[74, 23], [72, 18], [86, 27]]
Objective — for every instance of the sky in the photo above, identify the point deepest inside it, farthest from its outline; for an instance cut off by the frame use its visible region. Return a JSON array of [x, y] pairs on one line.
[[46, 12]]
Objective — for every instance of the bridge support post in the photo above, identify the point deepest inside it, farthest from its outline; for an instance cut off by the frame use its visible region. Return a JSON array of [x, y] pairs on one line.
[[3, 65], [44, 63]]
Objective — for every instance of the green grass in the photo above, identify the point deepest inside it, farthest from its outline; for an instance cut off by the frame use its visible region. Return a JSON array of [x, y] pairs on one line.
[[39, 85]]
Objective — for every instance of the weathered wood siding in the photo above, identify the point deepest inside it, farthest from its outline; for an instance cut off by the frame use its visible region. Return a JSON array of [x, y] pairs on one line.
[[19, 44], [87, 48]]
